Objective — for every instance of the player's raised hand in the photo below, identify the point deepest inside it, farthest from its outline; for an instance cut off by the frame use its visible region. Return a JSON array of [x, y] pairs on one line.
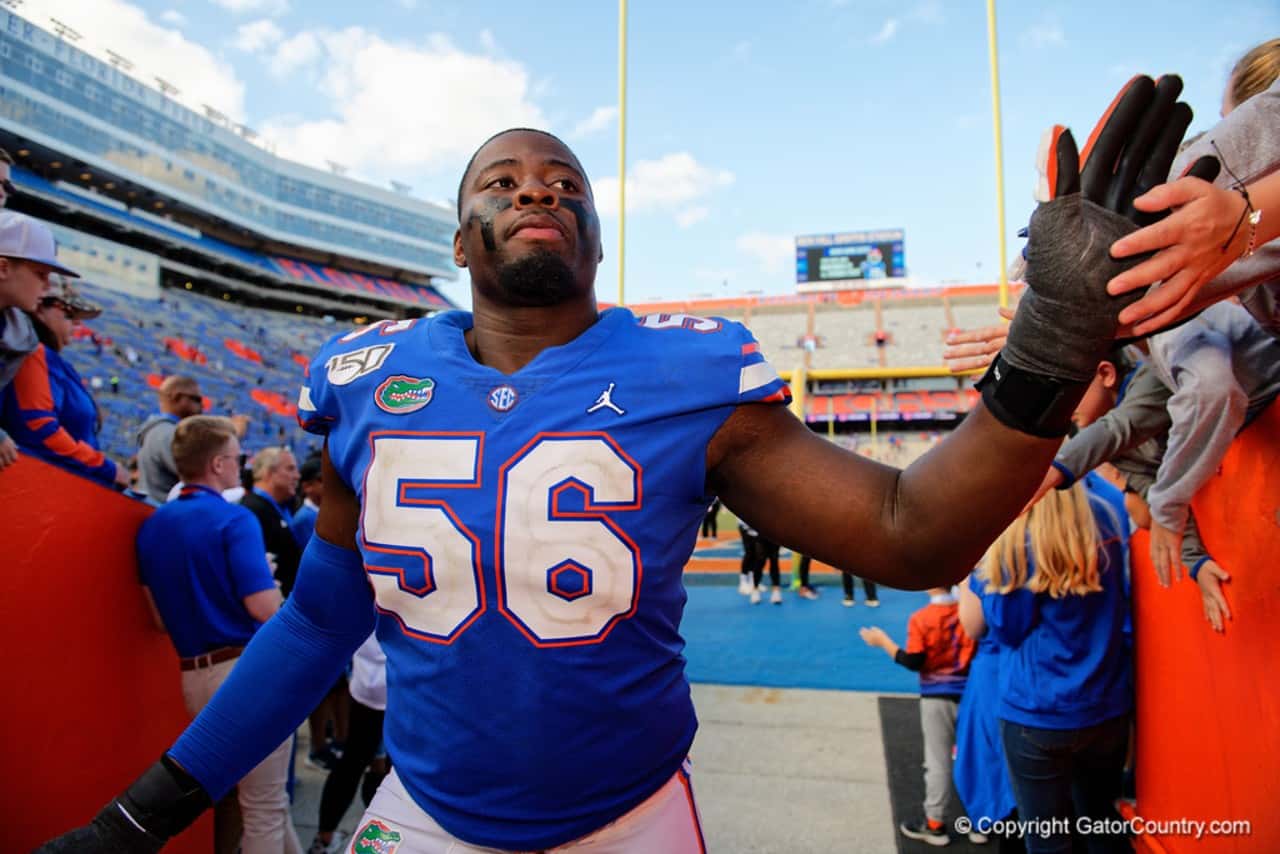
[[1067, 320]]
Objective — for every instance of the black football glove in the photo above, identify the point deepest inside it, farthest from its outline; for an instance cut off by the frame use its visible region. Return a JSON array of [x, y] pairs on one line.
[[1066, 321], [161, 803]]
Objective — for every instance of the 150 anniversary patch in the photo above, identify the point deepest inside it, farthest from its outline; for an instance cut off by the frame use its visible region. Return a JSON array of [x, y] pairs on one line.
[[346, 368]]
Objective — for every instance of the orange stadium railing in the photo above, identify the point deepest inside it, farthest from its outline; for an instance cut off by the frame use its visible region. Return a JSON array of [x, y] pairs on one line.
[[1208, 722], [92, 693]]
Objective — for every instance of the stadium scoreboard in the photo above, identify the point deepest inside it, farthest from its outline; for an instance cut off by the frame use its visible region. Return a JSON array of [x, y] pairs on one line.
[[850, 260]]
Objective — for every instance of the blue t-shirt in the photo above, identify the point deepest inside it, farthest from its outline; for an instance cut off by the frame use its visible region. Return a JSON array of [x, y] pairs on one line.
[[51, 415], [201, 556], [1114, 497], [525, 536], [303, 524], [1067, 666]]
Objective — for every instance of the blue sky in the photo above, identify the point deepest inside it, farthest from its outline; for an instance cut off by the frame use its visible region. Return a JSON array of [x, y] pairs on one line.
[[748, 123]]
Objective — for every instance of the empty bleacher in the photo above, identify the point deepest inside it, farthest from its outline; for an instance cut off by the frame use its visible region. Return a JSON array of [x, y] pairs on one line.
[[781, 331], [851, 330], [248, 362]]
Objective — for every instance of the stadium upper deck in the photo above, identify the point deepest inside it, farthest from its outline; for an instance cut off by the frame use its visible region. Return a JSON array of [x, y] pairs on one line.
[[82, 124]]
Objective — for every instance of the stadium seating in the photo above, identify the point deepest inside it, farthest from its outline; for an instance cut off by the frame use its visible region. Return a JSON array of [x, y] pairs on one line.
[[851, 330], [247, 361]]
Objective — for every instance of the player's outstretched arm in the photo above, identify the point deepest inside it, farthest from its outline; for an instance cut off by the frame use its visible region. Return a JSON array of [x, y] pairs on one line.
[[298, 653], [928, 525], [925, 526]]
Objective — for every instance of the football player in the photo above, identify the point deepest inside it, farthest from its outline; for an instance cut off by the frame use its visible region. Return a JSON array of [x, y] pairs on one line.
[[511, 495]]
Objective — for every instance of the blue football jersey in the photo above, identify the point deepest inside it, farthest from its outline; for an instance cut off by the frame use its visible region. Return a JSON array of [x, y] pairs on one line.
[[525, 538]]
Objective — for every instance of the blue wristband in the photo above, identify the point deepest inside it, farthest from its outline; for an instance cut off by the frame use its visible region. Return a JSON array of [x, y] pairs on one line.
[[1068, 476], [285, 671]]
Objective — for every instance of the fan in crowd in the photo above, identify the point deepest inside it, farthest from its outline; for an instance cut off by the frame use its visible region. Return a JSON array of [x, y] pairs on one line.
[[47, 408]]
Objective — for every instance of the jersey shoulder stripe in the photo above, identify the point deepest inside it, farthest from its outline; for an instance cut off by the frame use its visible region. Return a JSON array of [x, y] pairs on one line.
[[724, 344]]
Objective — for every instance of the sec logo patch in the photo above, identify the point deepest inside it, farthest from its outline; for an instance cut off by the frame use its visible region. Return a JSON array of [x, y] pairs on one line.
[[503, 398], [400, 395]]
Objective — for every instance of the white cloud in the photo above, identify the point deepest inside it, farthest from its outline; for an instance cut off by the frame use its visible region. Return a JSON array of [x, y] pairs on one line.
[[690, 216], [775, 253], [257, 35], [1045, 34], [408, 4], [402, 105], [173, 17], [294, 52], [741, 51], [887, 32], [600, 118], [670, 184], [271, 8], [155, 49]]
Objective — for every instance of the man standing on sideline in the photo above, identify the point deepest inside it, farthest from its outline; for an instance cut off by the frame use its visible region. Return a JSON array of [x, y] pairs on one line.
[[203, 563], [28, 255], [179, 398], [275, 480]]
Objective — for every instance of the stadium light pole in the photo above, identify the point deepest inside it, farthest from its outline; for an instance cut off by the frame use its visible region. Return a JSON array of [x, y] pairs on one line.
[[622, 150], [999, 147]]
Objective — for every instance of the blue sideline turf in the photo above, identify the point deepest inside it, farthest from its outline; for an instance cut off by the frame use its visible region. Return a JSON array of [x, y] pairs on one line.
[[798, 644]]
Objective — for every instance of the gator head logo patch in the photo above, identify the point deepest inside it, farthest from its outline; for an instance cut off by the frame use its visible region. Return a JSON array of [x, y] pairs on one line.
[[400, 394], [375, 838]]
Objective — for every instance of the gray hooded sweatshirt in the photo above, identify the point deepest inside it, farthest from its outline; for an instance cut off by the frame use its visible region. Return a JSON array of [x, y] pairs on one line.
[[17, 340]]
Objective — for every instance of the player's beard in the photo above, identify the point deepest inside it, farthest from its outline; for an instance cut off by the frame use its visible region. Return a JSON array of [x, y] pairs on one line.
[[538, 279]]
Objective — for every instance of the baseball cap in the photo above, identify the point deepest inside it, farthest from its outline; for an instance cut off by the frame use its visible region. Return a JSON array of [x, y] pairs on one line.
[[60, 291], [28, 239]]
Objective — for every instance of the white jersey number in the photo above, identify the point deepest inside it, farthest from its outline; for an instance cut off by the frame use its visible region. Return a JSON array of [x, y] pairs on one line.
[[452, 595], [566, 572]]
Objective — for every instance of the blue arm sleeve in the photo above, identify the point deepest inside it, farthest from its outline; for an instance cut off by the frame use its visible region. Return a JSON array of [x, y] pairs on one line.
[[286, 669]]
